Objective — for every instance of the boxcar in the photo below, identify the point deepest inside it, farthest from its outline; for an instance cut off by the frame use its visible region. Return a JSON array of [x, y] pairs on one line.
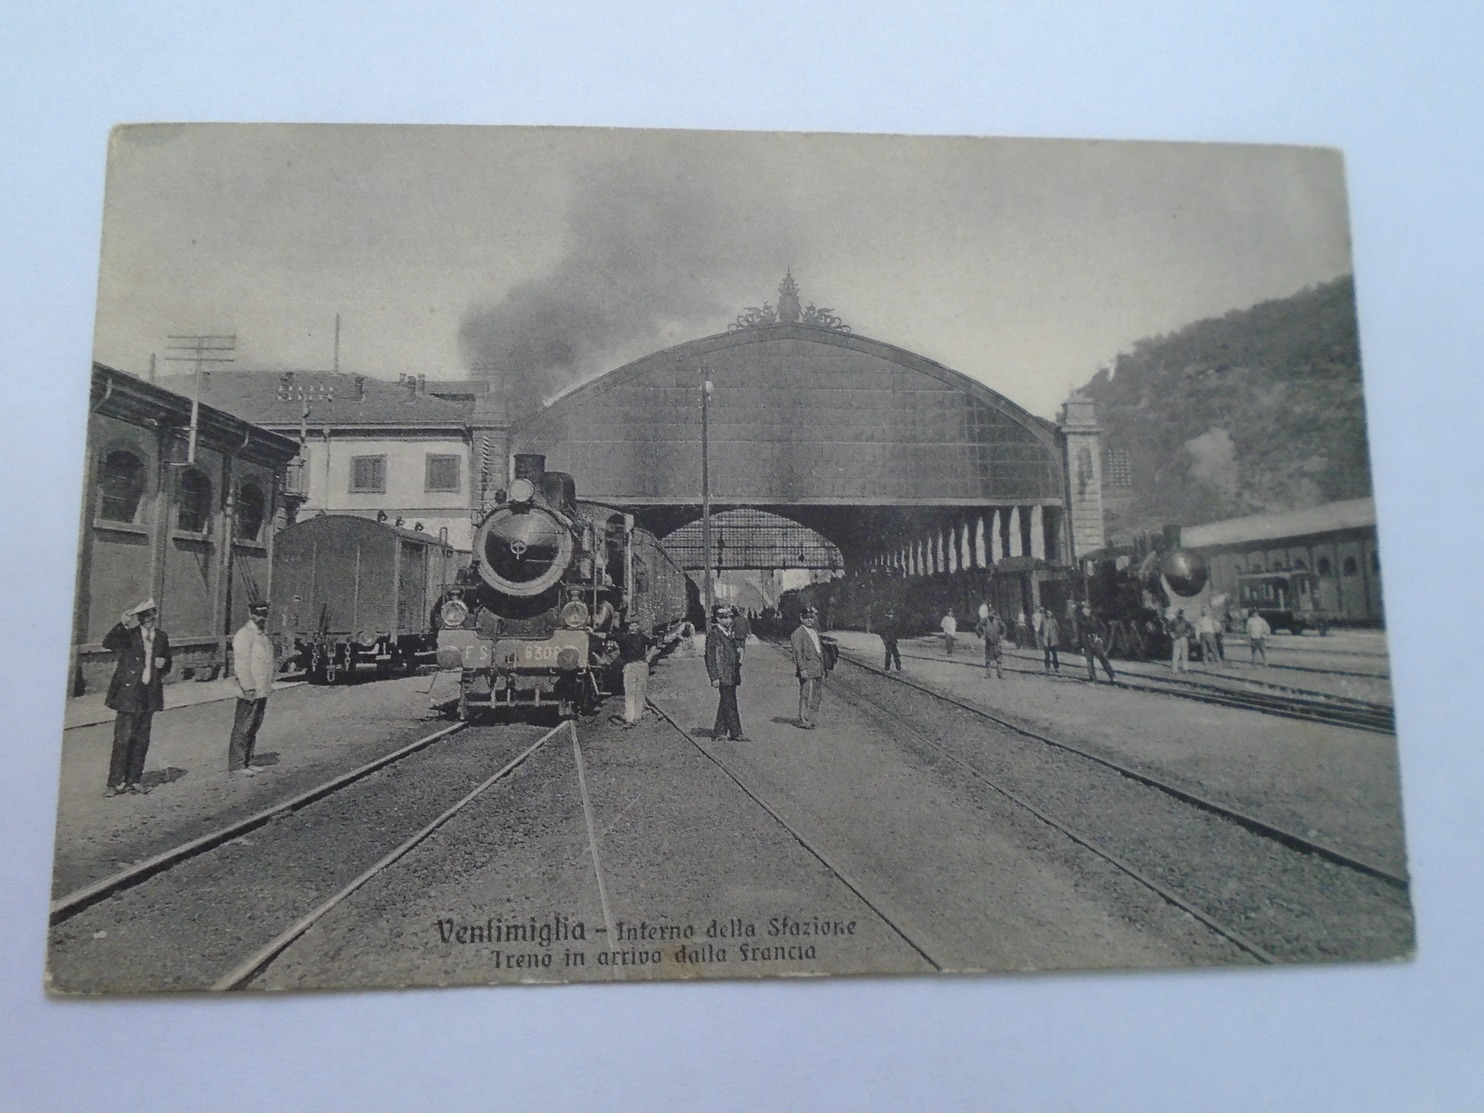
[[351, 591]]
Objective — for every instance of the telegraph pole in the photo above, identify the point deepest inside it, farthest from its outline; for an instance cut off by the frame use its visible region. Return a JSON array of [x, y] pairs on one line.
[[708, 589], [201, 350]]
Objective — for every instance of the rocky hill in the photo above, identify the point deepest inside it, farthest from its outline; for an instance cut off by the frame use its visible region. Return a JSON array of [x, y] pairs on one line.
[[1257, 411]]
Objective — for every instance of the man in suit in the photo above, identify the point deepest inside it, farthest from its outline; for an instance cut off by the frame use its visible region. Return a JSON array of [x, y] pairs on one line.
[[808, 665], [724, 666], [136, 692], [890, 633], [256, 665], [992, 630]]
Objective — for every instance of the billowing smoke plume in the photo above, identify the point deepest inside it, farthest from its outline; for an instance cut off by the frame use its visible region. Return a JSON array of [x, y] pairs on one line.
[[654, 258]]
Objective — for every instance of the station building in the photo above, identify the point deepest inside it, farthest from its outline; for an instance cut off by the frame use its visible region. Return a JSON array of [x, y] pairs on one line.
[[185, 516], [1336, 542], [389, 451], [900, 463]]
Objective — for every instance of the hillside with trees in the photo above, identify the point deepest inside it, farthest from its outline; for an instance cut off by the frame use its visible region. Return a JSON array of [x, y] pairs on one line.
[[1257, 411]]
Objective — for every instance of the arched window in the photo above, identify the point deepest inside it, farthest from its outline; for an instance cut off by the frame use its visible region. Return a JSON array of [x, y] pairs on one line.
[[1323, 567], [1350, 568], [194, 511], [252, 506], [120, 487]]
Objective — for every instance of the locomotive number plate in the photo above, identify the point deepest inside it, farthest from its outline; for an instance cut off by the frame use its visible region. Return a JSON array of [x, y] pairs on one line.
[[542, 655]]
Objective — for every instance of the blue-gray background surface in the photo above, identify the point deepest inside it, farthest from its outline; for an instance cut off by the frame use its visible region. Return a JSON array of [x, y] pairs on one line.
[[1399, 90]]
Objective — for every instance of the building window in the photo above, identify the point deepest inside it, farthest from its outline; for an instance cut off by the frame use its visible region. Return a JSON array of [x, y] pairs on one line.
[[1349, 567], [1118, 470], [194, 502], [121, 487], [368, 475], [1322, 567], [442, 473], [251, 509]]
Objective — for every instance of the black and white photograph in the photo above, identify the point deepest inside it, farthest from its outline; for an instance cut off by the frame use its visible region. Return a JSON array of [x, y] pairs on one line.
[[552, 555]]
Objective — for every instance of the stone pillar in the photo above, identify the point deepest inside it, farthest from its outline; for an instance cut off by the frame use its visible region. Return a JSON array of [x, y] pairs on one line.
[[1038, 533], [992, 550], [1081, 437]]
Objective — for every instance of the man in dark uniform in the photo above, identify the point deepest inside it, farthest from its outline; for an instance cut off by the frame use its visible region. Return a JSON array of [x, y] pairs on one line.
[[136, 692], [890, 634], [992, 630], [724, 666], [1094, 633]]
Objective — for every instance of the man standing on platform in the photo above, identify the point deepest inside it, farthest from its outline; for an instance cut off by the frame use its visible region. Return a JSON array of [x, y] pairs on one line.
[[633, 652], [890, 634], [808, 665], [256, 664], [135, 693], [1181, 631], [1094, 643], [1206, 628], [1258, 631], [1050, 637], [950, 630], [725, 668], [993, 631]]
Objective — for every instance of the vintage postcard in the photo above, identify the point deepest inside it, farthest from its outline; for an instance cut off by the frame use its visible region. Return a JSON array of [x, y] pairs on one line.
[[549, 555]]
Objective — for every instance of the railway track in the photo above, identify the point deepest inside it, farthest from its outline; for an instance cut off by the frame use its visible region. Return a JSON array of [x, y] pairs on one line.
[[120, 885], [1118, 816], [1283, 835], [899, 922], [1291, 702]]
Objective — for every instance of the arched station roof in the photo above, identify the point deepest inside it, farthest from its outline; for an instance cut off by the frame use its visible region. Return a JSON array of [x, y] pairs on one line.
[[800, 415]]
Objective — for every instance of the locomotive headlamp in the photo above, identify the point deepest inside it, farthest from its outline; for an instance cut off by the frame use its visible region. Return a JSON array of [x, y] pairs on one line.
[[575, 615], [454, 614], [521, 491]]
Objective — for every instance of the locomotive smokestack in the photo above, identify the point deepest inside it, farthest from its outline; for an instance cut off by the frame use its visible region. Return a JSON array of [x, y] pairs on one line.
[[530, 466]]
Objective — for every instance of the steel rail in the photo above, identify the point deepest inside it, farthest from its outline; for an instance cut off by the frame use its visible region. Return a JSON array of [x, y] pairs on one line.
[[245, 971], [894, 922], [131, 875], [1169, 895], [1328, 709], [1256, 825], [592, 842]]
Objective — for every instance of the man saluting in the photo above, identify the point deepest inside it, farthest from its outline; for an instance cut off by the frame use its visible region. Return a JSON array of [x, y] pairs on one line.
[[136, 692]]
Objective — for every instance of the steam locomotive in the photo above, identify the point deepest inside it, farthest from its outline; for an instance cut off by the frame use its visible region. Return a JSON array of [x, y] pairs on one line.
[[530, 622], [1136, 598]]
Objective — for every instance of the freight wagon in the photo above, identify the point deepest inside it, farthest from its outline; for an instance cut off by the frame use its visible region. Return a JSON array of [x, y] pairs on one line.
[[351, 591]]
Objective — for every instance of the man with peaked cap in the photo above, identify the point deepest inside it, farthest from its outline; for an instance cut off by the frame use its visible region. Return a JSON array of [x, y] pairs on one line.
[[135, 693], [256, 664], [808, 651], [724, 666]]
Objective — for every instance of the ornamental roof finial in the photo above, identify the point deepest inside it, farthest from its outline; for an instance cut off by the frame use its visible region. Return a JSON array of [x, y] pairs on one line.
[[788, 298], [789, 311]]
